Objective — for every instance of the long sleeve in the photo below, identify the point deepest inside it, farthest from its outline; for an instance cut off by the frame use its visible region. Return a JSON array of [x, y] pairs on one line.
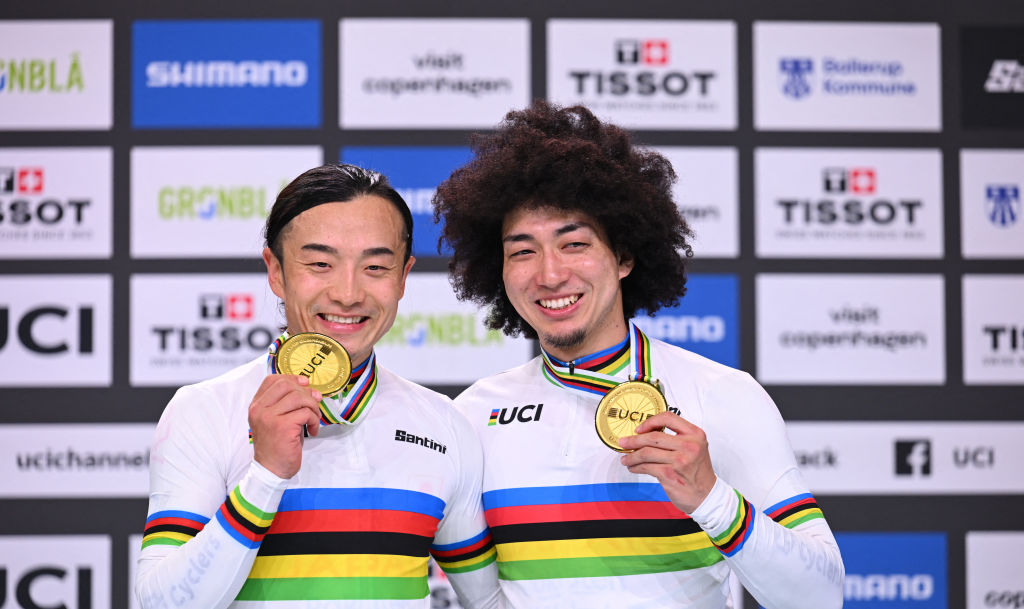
[[760, 514], [202, 532], [463, 546]]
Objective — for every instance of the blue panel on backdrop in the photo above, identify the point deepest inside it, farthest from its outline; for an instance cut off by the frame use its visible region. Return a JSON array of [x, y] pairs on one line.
[[894, 570], [706, 321], [415, 173], [226, 74]]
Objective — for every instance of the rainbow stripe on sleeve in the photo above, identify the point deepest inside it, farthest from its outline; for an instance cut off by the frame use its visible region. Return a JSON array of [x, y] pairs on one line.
[[172, 528], [464, 556], [732, 540], [795, 511], [246, 523], [592, 530], [347, 544]]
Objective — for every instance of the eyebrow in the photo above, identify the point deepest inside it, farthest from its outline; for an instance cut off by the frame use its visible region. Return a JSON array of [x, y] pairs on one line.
[[562, 230], [367, 253]]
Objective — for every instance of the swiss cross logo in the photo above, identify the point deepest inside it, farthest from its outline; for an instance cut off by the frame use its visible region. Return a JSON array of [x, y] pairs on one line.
[[858, 180], [30, 180], [653, 52], [236, 307], [240, 307]]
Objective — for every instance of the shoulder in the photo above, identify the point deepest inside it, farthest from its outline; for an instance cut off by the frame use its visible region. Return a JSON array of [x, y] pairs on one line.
[[485, 391], [224, 396]]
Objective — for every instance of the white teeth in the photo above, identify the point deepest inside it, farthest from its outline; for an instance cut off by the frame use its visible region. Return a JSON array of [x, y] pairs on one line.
[[559, 303], [338, 319]]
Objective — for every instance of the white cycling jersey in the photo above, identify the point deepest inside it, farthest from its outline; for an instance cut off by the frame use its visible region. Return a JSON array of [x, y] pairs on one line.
[[574, 528], [354, 527]]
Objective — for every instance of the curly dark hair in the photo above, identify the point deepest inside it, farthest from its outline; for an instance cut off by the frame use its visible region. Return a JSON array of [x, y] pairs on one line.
[[565, 159]]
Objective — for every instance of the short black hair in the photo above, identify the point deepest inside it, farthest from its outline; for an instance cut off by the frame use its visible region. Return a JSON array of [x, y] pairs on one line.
[[335, 182], [564, 159]]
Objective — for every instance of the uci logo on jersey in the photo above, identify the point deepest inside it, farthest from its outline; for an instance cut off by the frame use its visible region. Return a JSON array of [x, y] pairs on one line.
[[522, 414]]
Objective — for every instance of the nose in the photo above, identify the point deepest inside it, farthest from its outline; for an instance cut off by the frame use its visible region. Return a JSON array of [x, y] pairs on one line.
[[553, 270], [346, 289]]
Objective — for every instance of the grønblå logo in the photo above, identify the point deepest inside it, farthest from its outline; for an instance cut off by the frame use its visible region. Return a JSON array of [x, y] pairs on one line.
[[1002, 204], [226, 74]]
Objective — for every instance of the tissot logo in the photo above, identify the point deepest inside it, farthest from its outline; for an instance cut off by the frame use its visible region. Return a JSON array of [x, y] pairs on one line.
[[226, 308], [647, 52], [236, 307], [1006, 76], [1004, 339], [21, 180], [1002, 204], [521, 414], [913, 458], [858, 180], [47, 211]]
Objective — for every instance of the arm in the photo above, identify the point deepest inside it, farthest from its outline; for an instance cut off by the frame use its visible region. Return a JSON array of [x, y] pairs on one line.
[[462, 546], [785, 558], [199, 545]]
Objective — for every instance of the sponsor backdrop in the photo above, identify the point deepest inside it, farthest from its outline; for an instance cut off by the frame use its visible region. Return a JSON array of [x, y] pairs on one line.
[[853, 173]]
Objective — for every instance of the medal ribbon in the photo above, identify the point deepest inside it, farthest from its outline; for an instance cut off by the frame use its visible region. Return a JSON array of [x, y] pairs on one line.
[[598, 383], [352, 402]]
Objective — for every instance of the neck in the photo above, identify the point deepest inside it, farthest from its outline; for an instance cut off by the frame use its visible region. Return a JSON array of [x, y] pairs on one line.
[[587, 349]]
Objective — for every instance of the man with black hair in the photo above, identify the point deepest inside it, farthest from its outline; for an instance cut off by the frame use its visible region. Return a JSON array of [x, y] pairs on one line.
[[565, 230], [331, 500]]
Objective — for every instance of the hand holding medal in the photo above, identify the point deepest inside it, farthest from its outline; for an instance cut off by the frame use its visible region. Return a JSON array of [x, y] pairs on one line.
[[624, 408]]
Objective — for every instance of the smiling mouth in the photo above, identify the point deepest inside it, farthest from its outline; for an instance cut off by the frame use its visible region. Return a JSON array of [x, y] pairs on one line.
[[558, 303], [339, 319]]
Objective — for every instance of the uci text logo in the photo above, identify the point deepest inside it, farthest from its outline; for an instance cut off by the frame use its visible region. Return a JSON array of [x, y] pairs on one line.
[[522, 414]]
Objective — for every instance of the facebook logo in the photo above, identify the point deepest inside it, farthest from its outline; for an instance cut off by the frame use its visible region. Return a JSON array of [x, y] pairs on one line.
[[913, 457], [415, 172]]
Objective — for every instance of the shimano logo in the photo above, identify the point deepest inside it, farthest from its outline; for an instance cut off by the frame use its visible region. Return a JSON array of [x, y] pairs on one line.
[[160, 74], [684, 328], [889, 587]]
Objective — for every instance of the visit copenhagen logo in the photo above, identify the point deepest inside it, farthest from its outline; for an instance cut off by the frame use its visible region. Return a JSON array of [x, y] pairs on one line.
[[212, 73], [1002, 204], [801, 77]]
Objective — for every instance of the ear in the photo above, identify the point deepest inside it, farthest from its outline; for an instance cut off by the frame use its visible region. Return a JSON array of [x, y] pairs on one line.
[[275, 274], [625, 265], [405, 275]]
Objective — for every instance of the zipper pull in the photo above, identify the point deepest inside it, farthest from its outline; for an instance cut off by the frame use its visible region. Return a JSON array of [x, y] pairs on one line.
[[572, 366]]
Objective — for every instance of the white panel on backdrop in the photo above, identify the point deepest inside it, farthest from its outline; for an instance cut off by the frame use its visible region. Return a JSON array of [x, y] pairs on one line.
[[839, 76], [438, 340], [187, 328], [851, 458], [69, 571], [194, 202], [850, 329], [995, 569], [55, 202], [848, 203], [991, 187], [432, 73], [993, 329], [56, 74], [642, 74], [75, 460], [55, 330], [707, 194]]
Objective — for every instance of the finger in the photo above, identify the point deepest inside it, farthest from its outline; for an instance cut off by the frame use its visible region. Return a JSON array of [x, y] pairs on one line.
[[647, 455], [275, 386], [657, 438], [666, 419], [295, 399]]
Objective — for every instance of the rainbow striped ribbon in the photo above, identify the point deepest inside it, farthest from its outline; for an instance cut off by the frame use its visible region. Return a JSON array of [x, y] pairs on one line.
[[599, 383], [353, 401]]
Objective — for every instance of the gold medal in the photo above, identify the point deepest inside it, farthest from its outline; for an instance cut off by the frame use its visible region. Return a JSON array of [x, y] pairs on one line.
[[623, 409], [317, 357]]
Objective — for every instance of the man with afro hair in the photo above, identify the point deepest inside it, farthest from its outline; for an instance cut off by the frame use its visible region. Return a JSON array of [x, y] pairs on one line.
[[564, 230]]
